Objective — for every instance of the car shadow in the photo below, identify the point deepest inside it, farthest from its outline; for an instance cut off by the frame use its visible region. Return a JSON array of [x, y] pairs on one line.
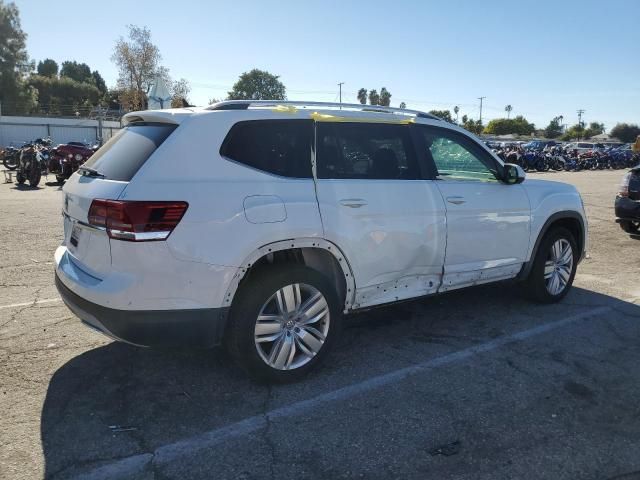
[[118, 400]]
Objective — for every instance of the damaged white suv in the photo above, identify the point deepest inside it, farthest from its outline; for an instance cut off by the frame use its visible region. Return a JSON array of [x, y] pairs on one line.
[[262, 223]]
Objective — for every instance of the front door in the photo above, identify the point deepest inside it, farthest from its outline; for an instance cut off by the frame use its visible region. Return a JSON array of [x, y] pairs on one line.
[[377, 206], [488, 221]]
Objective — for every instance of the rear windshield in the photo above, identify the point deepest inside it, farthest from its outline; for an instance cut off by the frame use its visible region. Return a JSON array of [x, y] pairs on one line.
[[123, 155]]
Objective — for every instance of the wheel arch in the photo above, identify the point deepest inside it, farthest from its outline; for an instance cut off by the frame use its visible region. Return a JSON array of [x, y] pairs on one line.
[[317, 253], [569, 219]]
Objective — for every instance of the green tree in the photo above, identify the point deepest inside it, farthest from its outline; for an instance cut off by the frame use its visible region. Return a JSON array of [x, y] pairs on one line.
[[258, 85], [80, 72], [403, 105], [16, 96], [138, 62], [474, 126], [594, 128], [99, 82], [503, 126], [456, 110], [443, 114], [554, 129], [508, 109], [374, 97], [576, 132], [48, 68], [625, 132], [63, 95], [385, 97], [362, 96]]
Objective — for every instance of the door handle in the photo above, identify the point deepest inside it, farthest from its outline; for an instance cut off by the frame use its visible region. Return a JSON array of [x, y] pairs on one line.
[[353, 202], [456, 200]]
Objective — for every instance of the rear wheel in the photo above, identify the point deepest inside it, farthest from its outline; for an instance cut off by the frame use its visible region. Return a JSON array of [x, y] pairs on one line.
[[630, 226], [283, 322], [10, 162], [20, 178], [554, 267]]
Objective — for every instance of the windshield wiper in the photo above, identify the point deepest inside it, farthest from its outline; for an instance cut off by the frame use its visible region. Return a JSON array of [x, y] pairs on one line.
[[90, 172]]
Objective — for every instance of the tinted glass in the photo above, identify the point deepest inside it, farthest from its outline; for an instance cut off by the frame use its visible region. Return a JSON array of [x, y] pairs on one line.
[[456, 156], [123, 155], [366, 150], [281, 147]]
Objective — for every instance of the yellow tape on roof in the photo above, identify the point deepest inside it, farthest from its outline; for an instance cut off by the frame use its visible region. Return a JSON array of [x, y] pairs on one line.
[[384, 118], [285, 108]]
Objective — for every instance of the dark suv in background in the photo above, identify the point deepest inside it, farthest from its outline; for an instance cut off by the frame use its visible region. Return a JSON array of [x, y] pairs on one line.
[[628, 202]]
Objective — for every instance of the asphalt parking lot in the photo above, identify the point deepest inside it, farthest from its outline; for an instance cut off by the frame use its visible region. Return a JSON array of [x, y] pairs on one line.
[[478, 383]]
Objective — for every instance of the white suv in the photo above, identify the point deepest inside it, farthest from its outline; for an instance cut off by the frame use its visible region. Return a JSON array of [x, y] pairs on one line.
[[261, 223]]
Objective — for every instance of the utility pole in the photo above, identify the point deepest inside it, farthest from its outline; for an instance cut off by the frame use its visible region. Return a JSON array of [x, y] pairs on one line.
[[100, 129], [481, 99], [340, 85], [580, 112]]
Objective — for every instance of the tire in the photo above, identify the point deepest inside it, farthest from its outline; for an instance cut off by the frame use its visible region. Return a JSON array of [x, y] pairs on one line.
[[35, 176], [9, 164], [20, 178], [258, 295], [630, 227], [61, 179], [540, 289]]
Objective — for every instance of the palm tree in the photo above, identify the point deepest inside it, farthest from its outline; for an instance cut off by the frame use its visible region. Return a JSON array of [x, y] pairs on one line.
[[508, 109], [456, 109], [560, 119], [362, 96], [403, 105]]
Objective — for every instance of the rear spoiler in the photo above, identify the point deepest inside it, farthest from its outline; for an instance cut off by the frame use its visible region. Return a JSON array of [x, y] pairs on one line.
[[172, 115]]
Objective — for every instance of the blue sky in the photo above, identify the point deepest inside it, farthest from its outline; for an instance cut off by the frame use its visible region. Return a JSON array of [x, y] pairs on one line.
[[545, 58]]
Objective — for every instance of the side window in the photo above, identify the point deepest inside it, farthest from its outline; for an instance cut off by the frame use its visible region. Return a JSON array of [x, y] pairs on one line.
[[457, 157], [374, 151], [281, 147]]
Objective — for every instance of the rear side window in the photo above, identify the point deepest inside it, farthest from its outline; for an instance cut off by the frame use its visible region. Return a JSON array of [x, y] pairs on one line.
[[374, 151], [123, 155], [280, 147]]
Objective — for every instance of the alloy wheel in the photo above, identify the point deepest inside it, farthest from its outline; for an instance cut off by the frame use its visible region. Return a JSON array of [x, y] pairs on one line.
[[558, 267], [292, 326]]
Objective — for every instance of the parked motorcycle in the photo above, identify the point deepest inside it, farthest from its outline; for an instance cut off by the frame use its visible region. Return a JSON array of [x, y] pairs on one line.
[[67, 158], [33, 161], [10, 158]]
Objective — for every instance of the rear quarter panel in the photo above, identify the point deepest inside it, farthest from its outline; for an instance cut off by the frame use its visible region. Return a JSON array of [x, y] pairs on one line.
[[215, 229]]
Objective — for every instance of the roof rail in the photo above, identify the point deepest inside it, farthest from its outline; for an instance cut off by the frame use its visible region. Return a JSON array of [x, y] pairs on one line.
[[246, 104]]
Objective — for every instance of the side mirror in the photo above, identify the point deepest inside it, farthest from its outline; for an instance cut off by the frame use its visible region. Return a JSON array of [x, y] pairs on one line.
[[513, 174]]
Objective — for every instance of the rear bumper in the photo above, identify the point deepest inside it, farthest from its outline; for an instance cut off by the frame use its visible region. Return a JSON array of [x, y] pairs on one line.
[[201, 327], [627, 209]]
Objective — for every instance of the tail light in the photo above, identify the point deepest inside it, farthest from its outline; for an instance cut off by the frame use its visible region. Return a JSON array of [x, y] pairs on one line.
[[136, 221], [624, 185]]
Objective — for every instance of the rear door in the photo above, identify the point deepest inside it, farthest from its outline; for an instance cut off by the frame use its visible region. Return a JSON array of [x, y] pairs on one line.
[[105, 175], [381, 209], [487, 221]]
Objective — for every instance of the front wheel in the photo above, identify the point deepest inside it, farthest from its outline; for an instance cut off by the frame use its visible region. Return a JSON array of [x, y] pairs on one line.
[[283, 322], [35, 175], [554, 267]]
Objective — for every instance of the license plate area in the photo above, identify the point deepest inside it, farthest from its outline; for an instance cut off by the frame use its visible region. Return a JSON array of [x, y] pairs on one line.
[[76, 231]]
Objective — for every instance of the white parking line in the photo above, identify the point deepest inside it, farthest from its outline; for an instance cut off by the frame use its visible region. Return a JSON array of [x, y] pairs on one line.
[[173, 451], [26, 304]]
